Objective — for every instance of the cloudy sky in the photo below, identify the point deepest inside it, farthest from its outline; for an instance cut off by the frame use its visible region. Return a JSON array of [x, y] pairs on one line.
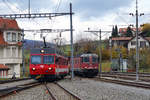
[[95, 14]]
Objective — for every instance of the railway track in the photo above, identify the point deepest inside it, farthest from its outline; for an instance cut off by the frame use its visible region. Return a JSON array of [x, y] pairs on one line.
[[128, 76], [139, 84], [127, 83], [12, 80], [57, 92], [8, 91]]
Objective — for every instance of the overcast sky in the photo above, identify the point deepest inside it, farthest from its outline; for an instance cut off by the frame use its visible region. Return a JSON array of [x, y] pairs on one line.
[[95, 14]]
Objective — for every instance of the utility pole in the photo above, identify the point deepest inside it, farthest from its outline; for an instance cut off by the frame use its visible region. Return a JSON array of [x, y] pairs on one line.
[[23, 58], [137, 43], [34, 40], [100, 51], [71, 34], [29, 8], [110, 44]]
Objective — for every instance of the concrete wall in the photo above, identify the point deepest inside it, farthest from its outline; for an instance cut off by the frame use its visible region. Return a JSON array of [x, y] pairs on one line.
[[13, 68]]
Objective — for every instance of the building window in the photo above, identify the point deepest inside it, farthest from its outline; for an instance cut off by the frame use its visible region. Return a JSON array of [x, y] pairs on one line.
[[8, 36], [142, 44], [133, 43], [13, 37]]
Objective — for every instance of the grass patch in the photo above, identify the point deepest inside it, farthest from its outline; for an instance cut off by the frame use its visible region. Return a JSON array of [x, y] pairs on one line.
[[4, 79], [106, 66]]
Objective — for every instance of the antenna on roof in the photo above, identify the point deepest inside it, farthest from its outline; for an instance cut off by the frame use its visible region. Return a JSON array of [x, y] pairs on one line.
[[45, 46]]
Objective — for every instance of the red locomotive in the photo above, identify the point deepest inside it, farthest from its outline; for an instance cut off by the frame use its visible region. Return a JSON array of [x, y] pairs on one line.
[[48, 63], [86, 65]]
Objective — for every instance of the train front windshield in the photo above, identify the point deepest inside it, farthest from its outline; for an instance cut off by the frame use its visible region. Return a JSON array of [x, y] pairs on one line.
[[35, 59], [85, 59], [94, 59], [48, 59]]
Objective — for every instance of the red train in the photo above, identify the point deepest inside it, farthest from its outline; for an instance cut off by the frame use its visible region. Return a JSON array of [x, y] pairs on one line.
[[47, 63], [86, 65]]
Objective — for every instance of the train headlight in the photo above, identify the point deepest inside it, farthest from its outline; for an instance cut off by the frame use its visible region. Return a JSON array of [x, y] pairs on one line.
[[42, 51], [49, 68], [33, 68]]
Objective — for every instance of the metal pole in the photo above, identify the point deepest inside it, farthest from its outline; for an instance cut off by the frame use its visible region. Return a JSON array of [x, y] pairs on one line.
[[71, 32], [29, 7], [23, 62], [111, 54], [137, 44], [100, 51]]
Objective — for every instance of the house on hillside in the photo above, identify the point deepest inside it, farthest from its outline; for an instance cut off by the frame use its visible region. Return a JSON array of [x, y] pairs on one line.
[[123, 31], [143, 42], [120, 41], [10, 47], [130, 42]]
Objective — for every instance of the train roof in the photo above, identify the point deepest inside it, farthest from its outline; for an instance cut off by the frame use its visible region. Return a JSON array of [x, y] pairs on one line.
[[46, 51], [87, 55]]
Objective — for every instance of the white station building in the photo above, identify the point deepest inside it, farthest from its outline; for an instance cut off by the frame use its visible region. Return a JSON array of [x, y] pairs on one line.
[[10, 48]]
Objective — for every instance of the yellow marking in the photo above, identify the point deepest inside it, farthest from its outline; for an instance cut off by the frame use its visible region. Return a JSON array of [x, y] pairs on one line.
[[39, 76]]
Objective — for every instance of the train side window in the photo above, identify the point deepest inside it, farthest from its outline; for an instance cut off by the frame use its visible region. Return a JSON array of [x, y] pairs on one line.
[[56, 60]]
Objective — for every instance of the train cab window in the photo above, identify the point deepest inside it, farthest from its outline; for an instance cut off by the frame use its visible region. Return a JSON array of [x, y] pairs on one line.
[[48, 59], [85, 59], [94, 59], [35, 59]]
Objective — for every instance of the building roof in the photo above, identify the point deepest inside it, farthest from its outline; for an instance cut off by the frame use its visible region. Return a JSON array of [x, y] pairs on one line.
[[147, 38], [8, 24], [121, 38], [3, 67], [124, 30]]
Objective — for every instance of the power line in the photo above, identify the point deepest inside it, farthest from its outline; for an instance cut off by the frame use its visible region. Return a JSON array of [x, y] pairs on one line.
[[122, 19], [9, 7]]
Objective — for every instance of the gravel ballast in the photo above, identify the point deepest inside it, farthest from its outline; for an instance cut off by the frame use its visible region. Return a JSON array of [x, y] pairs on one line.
[[89, 89], [35, 93]]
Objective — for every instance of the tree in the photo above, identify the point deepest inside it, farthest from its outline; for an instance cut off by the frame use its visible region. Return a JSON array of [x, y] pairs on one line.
[[84, 45], [114, 53], [113, 32], [116, 31], [146, 30], [145, 59], [129, 32], [131, 59]]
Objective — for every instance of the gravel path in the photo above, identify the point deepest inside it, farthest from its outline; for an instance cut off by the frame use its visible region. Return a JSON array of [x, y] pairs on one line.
[[35, 93], [96, 90]]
